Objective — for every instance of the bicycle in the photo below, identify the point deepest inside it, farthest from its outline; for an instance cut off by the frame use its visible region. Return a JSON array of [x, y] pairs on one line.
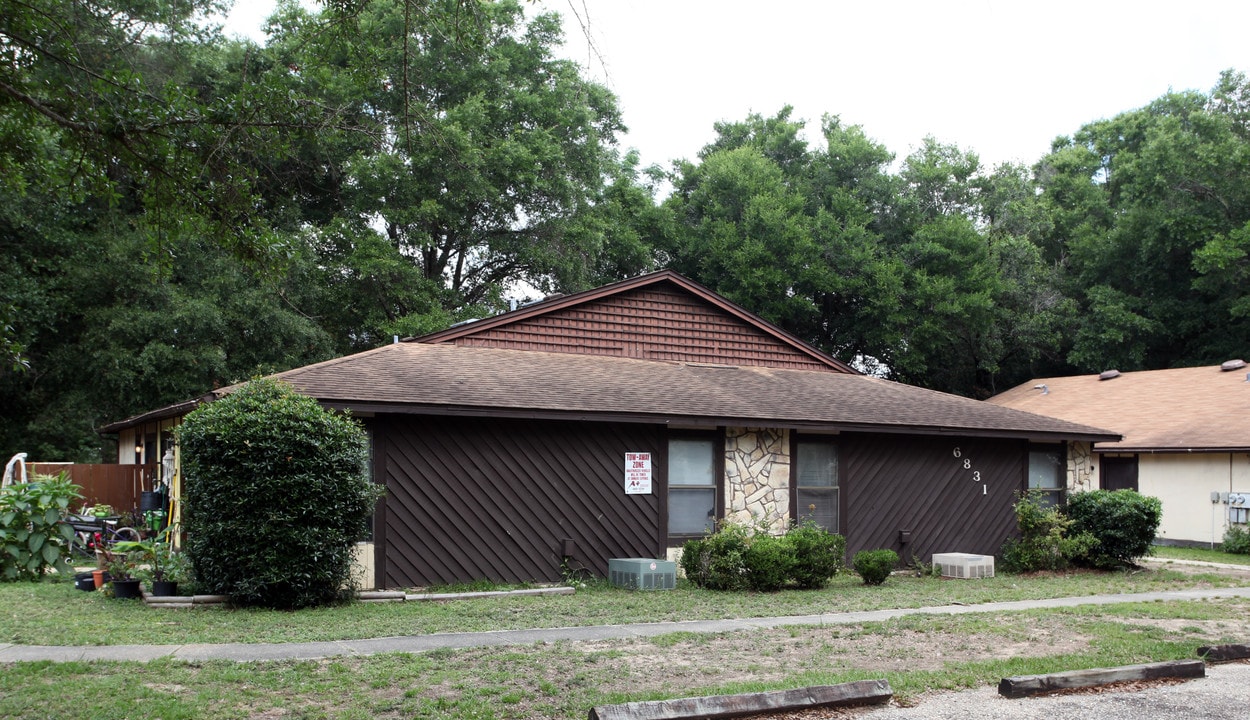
[[94, 533]]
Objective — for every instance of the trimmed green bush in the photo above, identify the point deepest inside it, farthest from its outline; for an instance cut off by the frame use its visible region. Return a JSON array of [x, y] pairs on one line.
[[1046, 539], [718, 561], [1123, 522], [818, 554], [768, 562], [1236, 540], [874, 566], [276, 493], [738, 558], [33, 539]]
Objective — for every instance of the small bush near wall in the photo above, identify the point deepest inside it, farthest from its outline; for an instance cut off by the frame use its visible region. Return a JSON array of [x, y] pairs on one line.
[[276, 494], [1236, 540], [818, 554], [739, 558], [1046, 541], [874, 566], [718, 561], [1123, 522]]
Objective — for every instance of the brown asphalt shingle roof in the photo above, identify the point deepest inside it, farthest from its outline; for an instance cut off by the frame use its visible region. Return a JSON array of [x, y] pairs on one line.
[[1180, 410], [415, 377]]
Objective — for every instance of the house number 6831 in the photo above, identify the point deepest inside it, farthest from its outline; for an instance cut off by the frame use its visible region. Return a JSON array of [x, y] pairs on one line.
[[967, 463]]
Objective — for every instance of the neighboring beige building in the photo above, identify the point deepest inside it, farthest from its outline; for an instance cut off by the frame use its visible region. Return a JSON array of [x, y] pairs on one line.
[[1186, 440]]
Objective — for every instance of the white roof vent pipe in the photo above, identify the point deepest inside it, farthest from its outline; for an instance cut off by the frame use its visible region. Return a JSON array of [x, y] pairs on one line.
[[1109, 375], [1233, 365], [1045, 390]]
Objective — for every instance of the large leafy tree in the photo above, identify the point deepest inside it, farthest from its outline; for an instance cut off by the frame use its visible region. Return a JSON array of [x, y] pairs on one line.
[[1150, 213], [487, 160], [928, 276]]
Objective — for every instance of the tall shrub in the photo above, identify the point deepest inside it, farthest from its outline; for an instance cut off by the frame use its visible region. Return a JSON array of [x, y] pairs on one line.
[[33, 538], [1123, 522], [276, 494]]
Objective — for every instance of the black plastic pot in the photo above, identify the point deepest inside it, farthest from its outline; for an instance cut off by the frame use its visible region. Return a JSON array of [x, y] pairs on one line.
[[84, 581], [126, 589], [164, 588], [151, 501]]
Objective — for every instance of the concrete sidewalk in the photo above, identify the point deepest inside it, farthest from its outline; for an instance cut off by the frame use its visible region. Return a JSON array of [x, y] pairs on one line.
[[423, 643]]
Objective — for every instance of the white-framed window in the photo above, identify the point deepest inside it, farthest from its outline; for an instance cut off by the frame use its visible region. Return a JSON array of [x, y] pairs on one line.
[[816, 482], [691, 485]]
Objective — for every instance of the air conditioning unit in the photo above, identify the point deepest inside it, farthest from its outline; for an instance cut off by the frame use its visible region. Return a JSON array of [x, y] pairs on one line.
[[964, 565], [642, 573]]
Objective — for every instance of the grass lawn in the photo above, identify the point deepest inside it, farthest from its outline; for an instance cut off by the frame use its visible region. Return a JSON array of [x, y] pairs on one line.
[[54, 613], [1166, 552], [917, 654]]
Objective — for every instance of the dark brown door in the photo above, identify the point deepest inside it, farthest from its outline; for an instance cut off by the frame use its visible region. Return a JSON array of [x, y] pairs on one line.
[[1119, 473]]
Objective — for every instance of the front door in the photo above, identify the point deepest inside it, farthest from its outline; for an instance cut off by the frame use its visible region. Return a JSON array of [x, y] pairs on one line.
[[1119, 472]]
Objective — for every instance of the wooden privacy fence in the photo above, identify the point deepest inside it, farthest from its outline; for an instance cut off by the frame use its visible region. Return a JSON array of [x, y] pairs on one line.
[[116, 485]]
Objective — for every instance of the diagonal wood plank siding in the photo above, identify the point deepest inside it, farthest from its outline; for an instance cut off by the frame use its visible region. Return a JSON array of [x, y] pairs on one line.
[[895, 482], [658, 322], [472, 498]]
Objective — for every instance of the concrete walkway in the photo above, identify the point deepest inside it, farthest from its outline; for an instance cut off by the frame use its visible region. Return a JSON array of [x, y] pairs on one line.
[[424, 643]]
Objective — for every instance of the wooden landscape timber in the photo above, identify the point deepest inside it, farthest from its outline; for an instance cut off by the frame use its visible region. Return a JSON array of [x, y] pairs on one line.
[[862, 692], [1026, 685], [1224, 653]]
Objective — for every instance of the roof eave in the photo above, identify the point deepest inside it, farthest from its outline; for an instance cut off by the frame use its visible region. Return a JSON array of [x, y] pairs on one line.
[[709, 421]]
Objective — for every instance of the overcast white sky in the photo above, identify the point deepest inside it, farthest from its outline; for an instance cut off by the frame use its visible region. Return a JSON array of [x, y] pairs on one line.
[[1002, 78]]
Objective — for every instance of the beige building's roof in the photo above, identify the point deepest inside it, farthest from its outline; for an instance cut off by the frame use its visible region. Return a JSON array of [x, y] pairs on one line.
[[1180, 410]]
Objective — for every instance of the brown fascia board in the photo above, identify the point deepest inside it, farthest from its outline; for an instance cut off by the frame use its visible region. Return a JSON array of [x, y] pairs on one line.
[[707, 421], [543, 307], [169, 411]]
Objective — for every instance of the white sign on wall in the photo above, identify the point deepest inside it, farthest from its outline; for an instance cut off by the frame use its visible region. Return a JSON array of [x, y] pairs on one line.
[[637, 473]]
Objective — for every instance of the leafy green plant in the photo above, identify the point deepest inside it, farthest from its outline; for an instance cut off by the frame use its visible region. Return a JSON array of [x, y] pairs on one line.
[[818, 554], [1046, 540], [276, 492], [1236, 540], [164, 563], [33, 538], [1123, 522], [874, 566], [122, 564]]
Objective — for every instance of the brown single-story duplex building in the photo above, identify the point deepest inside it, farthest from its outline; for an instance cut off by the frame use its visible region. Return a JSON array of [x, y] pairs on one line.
[[621, 421]]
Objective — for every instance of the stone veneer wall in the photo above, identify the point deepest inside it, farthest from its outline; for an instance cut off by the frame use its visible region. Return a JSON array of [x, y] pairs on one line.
[[1080, 464], [757, 477]]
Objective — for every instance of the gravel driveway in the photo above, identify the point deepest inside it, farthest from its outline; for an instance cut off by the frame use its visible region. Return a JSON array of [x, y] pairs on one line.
[[1223, 694]]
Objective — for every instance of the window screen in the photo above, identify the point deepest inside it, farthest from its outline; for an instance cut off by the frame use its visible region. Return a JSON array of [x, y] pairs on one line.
[[1046, 471], [691, 485], [817, 484]]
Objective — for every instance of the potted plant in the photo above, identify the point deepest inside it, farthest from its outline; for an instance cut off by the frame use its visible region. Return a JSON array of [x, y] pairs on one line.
[[121, 568], [168, 568], [165, 567]]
